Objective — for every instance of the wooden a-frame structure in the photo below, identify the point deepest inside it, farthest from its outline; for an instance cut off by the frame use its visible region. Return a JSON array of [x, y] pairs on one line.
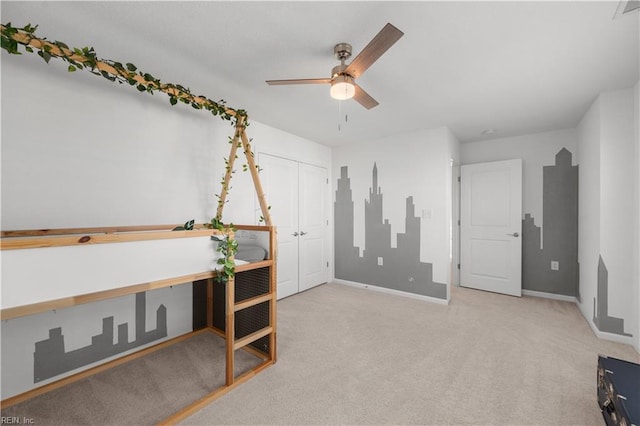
[[33, 239]]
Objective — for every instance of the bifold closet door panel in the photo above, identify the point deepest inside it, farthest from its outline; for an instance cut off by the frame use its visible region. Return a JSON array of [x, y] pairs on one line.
[[313, 223], [279, 178]]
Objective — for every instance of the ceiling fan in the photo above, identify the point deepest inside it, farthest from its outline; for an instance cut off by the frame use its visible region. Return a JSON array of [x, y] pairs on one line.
[[342, 80]]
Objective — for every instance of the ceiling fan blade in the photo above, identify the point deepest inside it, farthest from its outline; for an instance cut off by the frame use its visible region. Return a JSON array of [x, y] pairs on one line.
[[386, 38], [300, 81], [363, 98]]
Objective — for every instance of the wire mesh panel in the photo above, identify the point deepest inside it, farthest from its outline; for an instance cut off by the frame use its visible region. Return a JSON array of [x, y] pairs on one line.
[[248, 284]]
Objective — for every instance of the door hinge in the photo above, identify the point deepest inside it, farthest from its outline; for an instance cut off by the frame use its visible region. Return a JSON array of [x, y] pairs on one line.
[[458, 266], [327, 264], [458, 222]]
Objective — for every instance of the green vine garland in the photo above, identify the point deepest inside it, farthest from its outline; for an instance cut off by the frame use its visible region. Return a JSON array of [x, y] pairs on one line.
[[228, 247], [114, 71]]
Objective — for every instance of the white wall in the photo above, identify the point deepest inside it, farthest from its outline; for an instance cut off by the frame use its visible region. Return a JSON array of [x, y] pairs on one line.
[[608, 207], [536, 151], [589, 207], [637, 207], [416, 164]]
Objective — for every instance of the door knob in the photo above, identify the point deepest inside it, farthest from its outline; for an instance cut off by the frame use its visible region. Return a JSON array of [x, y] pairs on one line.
[[515, 234], [295, 234], [303, 233]]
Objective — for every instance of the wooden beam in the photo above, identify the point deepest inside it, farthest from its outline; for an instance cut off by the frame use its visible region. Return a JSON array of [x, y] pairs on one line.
[[230, 330], [250, 338], [252, 302], [256, 178], [229, 170], [273, 290], [73, 240], [95, 370], [50, 305], [30, 40], [89, 230], [201, 403]]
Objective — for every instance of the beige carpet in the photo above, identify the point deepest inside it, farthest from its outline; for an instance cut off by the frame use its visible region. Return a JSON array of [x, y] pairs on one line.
[[143, 391], [353, 356]]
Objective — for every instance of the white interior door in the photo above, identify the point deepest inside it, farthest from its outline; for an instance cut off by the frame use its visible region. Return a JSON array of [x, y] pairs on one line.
[[279, 178], [313, 223], [491, 227]]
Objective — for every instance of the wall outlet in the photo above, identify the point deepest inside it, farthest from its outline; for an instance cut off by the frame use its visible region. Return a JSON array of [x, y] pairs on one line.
[[379, 261], [555, 265]]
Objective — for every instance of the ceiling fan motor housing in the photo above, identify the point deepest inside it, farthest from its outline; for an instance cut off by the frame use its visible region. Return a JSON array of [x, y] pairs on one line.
[[342, 51]]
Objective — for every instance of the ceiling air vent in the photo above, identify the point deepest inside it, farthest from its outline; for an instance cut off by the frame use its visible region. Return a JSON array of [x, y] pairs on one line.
[[626, 7]]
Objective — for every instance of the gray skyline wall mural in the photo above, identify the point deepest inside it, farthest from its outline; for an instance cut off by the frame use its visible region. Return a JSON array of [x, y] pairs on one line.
[[50, 358], [557, 240], [380, 265], [601, 317]]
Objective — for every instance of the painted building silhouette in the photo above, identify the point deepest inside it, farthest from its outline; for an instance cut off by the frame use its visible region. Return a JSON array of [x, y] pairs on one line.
[[401, 267], [50, 358], [558, 238]]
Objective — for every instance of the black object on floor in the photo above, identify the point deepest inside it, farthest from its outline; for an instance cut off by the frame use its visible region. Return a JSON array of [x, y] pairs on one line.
[[619, 391]]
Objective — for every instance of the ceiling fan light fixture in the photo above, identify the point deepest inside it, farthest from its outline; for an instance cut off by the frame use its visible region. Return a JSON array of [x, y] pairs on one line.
[[342, 87]]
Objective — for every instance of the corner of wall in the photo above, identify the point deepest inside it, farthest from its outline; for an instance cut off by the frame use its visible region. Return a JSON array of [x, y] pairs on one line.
[[636, 97]]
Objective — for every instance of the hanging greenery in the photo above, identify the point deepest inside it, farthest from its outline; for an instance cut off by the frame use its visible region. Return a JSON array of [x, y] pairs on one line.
[[227, 247], [86, 58], [114, 71]]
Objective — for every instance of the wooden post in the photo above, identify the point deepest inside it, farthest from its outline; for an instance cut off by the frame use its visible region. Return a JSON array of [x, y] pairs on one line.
[[229, 171], [230, 333], [273, 285], [256, 179], [210, 302]]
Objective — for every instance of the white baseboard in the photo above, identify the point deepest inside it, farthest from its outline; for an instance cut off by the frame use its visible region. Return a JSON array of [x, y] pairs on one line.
[[627, 340], [391, 291], [553, 296]]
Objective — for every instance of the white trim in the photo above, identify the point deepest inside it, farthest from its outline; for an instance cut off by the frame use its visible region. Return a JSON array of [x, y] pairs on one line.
[[553, 296], [393, 292], [627, 340]]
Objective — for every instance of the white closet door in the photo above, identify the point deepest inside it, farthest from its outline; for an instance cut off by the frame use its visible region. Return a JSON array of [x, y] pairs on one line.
[[279, 178], [313, 268]]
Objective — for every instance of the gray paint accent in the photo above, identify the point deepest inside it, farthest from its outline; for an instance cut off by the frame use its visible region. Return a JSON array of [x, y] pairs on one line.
[[601, 317], [402, 269], [559, 235], [50, 358]]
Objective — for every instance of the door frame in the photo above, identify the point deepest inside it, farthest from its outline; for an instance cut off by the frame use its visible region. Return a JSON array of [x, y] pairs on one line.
[[517, 293]]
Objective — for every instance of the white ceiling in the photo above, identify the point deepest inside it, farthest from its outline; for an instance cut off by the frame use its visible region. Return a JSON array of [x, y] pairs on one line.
[[516, 67]]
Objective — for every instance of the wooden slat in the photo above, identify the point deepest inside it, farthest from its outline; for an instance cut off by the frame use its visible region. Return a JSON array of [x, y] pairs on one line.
[[252, 302], [49, 305], [89, 230], [250, 338], [254, 265], [265, 228], [51, 241]]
